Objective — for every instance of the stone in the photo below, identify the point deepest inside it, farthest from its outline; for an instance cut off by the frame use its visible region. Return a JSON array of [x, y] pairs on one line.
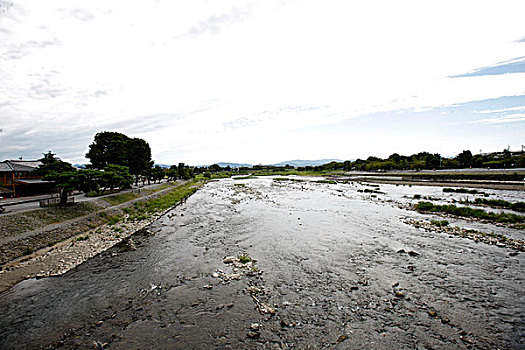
[[270, 310], [341, 338], [207, 287], [255, 326], [232, 276], [253, 335], [399, 294], [253, 289], [222, 340], [230, 260]]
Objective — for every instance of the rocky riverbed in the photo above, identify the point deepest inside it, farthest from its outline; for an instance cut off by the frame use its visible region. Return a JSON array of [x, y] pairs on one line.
[[264, 264]]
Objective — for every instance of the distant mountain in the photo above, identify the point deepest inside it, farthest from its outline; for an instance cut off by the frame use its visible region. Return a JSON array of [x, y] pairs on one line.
[[80, 166], [233, 165], [164, 166], [300, 162], [294, 163]]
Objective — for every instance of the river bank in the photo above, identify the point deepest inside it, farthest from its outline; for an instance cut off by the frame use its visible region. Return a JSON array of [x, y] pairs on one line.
[[53, 250]]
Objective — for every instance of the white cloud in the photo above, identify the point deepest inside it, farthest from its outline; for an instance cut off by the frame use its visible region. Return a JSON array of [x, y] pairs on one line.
[[509, 118], [504, 110], [217, 73]]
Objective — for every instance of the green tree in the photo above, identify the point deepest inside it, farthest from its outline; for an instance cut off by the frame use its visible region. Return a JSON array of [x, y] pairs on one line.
[[185, 172], [89, 180], [158, 173], [115, 176], [182, 171], [214, 168], [477, 161], [395, 157], [465, 158], [432, 161], [66, 182], [138, 157], [108, 148], [51, 164], [172, 173]]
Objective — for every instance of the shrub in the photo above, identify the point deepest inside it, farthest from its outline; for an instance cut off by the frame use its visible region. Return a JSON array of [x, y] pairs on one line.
[[499, 203], [244, 258], [469, 212], [439, 223]]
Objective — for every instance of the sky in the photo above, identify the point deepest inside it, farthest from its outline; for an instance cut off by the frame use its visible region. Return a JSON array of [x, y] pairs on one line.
[[260, 82]]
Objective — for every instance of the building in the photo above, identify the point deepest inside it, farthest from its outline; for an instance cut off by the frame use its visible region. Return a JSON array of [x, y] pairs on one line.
[[17, 179]]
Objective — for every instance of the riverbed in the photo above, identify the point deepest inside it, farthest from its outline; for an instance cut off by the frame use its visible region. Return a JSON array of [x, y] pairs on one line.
[[334, 267]]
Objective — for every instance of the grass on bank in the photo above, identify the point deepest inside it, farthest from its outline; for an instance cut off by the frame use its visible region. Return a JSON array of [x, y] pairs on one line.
[[464, 190], [499, 203], [470, 212], [121, 198], [439, 223], [144, 210]]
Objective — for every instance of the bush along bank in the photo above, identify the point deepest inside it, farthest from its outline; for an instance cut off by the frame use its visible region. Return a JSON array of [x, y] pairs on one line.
[[499, 203], [504, 218]]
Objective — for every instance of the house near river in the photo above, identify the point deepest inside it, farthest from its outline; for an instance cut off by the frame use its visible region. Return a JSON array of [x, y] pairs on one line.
[[17, 179]]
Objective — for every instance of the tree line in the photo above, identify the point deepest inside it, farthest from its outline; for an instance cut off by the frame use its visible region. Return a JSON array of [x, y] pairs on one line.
[[426, 160], [417, 161], [116, 161]]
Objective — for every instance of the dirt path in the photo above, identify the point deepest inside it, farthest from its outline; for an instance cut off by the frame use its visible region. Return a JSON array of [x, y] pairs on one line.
[[332, 271]]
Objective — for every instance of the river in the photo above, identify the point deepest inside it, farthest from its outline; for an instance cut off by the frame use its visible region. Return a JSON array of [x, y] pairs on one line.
[[334, 268]]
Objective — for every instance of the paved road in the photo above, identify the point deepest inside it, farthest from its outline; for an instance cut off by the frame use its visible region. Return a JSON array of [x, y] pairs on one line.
[[23, 204]]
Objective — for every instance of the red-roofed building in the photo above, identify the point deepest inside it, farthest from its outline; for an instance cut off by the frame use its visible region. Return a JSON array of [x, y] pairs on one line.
[[17, 179]]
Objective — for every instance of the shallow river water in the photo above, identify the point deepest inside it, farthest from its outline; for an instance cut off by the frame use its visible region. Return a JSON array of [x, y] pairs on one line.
[[335, 268]]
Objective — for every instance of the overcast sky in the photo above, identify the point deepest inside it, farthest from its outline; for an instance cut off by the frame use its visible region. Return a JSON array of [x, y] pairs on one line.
[[262, 81]]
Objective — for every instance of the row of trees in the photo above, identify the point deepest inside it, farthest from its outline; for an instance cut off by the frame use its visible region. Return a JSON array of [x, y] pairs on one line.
[[425, 160], [67, 178], [115, 162], [417, 161]]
